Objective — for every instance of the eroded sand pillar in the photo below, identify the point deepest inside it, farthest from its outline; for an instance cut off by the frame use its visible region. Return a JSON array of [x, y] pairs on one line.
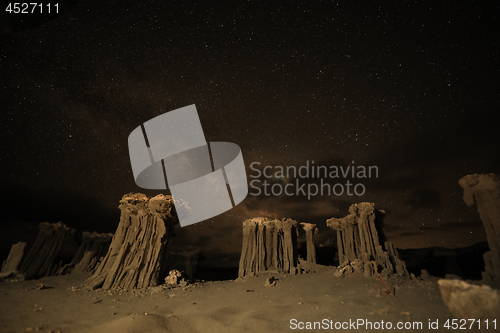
[[93, 247], [42, 257], [310, 230], [484, 191], [137, 255]]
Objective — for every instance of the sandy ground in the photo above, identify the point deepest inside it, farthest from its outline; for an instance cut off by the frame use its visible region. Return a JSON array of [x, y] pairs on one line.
[[242, 305]]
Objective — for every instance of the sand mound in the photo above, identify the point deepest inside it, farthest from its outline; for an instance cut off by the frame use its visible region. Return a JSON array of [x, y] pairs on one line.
[[137, 323]]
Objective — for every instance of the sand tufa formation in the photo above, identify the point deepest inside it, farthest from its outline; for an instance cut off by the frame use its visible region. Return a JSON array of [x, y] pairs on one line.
[[362, 243], [41, 260], [55, 252], [93, 247], [484, 191], [137, 256], [10, 267], [270, 244]]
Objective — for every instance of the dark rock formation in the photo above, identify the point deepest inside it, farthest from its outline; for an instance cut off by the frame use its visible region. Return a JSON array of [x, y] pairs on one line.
[[11, 265], [42, 258], [139, 250], [467, 262], [467, 301], [484, 191], [361, 240], [55, 252], [186, 261], [93, 247], [272, 244], [216, 273]]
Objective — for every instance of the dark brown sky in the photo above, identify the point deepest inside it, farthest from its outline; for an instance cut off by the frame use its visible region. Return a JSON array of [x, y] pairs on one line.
[[410, 87]]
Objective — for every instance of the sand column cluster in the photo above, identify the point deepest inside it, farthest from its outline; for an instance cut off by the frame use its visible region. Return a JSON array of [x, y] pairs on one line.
[[361, 236], [272, 244]]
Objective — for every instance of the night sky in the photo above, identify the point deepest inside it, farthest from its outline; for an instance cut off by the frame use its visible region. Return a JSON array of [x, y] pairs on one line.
[[410, 87]]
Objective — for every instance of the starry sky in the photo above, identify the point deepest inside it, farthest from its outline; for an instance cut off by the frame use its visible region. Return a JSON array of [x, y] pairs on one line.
[[410, 87]]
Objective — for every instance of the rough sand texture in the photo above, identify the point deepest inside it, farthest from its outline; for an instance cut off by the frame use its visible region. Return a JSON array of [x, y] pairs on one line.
[[243, 305]]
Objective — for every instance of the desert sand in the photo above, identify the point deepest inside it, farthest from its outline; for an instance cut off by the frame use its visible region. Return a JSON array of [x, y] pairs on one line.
[[241, 305]]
